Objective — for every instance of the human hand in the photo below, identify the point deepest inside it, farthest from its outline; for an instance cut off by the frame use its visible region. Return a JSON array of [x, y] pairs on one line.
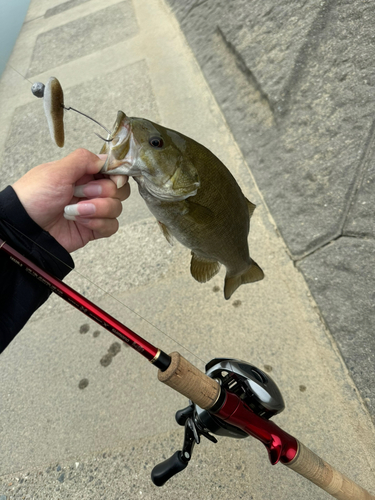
[[46, 190]]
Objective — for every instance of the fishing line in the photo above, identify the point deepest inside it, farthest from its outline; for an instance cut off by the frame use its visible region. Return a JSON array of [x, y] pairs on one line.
[[24, 77], [104, 291]]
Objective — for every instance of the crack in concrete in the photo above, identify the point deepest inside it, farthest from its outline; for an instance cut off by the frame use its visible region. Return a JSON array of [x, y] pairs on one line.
[[354, 188], [305, 53], [297, 260], [363, 164], [245, 70]]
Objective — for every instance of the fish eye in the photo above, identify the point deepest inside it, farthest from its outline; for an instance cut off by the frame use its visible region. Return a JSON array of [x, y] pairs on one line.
[[156, 142]]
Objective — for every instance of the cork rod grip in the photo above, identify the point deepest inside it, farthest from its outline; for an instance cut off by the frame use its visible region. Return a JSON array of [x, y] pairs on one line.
[[325, 476], [186, 379]]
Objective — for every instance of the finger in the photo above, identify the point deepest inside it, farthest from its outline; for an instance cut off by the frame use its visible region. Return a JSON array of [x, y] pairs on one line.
[[124, 192], [77, 164], [103, 188], [102, 228], [108, 208]]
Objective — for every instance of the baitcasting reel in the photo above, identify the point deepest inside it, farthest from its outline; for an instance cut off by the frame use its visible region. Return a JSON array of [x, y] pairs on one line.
[[257, 390]]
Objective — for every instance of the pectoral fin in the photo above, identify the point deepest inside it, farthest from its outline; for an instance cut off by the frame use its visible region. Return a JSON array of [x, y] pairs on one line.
[[198, 213], [203, 269], [251, 274]]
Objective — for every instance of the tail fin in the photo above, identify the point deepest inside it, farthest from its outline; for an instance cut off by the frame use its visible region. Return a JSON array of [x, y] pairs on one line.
[[251, 274]]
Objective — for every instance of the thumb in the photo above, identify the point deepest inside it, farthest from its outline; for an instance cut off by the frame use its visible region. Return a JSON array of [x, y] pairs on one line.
[[79, 163]]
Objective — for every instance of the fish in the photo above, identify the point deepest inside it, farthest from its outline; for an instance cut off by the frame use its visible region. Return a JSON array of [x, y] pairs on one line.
[[191, 193]]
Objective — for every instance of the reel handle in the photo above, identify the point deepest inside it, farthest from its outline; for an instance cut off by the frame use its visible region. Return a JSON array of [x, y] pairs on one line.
[[165, 470]]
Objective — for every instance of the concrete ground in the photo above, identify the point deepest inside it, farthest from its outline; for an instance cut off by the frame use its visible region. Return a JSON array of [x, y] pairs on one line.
[[82, 416]]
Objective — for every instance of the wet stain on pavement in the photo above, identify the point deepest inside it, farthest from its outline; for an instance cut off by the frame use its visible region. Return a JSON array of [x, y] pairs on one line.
[[302, 388], [96, 333], [83, 383], [106, 360], [268, 368], [237, 303], [216, 289], [112, 351], [115, 348], [84, 328]]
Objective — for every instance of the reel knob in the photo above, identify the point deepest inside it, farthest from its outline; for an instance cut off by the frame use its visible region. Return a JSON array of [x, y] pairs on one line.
[[165, 470]]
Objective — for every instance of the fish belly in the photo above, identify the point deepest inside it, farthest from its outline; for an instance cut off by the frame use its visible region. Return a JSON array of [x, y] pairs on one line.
[[216, 241]]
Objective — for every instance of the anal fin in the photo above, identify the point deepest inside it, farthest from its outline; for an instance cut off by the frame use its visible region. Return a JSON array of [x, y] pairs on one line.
[[203, 269]]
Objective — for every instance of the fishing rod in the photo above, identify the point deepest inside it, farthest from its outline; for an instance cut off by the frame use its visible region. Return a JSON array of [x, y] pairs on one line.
[[233, 398]]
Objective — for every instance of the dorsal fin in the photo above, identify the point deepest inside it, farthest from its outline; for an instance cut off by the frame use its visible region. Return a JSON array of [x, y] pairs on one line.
[[251, 207]]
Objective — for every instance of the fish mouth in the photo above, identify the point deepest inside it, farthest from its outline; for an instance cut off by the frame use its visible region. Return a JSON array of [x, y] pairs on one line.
[[166, 192], [125, 158], [120, 147]]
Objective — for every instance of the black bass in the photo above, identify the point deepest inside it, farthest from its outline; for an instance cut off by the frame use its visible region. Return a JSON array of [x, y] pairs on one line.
[[191, 193]]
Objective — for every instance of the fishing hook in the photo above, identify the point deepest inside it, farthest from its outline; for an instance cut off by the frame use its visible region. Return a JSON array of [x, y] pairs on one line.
[[90, 118], [102, 138]]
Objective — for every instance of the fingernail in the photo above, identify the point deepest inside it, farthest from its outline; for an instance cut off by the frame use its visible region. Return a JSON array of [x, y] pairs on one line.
[[101, 161], [80, 220], [119, 180], [69, 217], [88, 190], [80, 209]]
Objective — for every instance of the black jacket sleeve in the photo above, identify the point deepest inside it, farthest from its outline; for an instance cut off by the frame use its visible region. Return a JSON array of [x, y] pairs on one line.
[[21, 294]]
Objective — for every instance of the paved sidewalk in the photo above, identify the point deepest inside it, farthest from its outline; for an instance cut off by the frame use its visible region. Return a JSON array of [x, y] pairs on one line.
[[82, 416]]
